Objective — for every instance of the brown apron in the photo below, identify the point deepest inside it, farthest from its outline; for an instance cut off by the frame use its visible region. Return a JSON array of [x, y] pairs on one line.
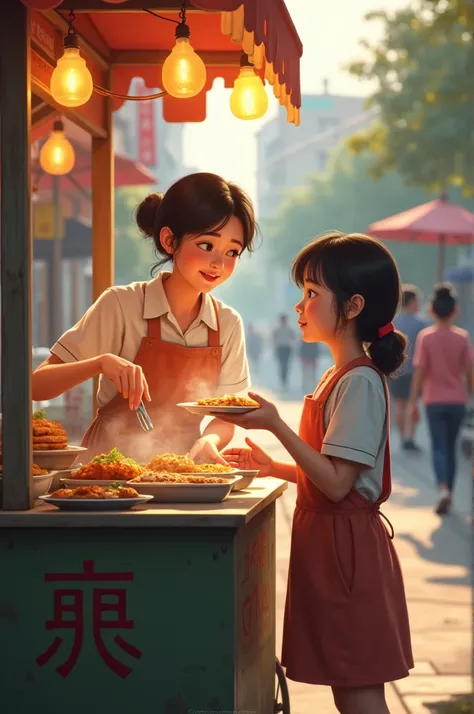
[[174, 373]]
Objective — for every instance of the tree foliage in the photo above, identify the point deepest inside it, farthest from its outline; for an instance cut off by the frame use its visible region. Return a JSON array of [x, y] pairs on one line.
[[422, 70], [347, 199]]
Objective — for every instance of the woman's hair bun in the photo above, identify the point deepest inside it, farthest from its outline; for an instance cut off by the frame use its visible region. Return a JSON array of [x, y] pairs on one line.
[[443, 302], [146, 214], [443, 290]]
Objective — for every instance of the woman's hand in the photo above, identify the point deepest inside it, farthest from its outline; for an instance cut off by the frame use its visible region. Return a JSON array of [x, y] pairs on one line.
[[266, 417], [253, 459], [128, 378], [205, 451]]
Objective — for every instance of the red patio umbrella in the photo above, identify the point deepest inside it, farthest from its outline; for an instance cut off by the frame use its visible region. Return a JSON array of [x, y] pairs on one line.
[[437, 221]]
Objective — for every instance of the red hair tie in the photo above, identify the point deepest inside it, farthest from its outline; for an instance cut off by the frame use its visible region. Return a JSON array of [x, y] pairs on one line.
[[386, 329]]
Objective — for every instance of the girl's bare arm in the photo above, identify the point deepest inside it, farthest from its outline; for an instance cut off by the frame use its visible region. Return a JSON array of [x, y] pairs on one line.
[[285, 470], [333, 476]]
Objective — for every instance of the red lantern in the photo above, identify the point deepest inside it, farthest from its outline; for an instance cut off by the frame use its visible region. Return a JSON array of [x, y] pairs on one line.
[[41, 4]]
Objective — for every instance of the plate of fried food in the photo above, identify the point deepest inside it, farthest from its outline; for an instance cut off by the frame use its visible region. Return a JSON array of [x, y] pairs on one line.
[[177, 464], [168, 487], [104, 470], [227, 404], [42, 478], [50, 444], [115, 497]]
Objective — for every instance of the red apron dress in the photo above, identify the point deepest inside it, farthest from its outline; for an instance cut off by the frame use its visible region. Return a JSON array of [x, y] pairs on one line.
[[174, 373], [346, 620]]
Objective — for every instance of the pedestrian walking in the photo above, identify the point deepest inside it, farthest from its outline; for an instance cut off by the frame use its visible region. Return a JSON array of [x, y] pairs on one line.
[[308, 352], [444, 376], [410, 324], [284, 339], [346, 622], [254, 343]]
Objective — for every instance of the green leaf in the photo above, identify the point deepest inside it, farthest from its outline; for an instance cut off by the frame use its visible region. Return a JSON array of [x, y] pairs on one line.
[[114, 456]]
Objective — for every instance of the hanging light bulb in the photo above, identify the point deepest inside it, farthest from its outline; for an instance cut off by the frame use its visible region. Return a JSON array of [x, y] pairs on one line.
[[184, 72], [248, 99], [57, 153], [71, 82]]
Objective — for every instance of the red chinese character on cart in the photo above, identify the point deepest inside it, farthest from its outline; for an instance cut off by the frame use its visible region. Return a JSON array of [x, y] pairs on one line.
[[68, 614]]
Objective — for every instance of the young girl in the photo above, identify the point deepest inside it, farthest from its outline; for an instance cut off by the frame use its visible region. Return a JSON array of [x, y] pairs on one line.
[[444, 372], [167, 340], [346, 622]]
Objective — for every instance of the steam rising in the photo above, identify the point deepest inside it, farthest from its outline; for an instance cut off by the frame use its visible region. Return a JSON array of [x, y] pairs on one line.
[[175, 430]]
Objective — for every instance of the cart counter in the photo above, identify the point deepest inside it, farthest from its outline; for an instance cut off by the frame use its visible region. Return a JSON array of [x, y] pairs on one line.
[[164, 610]]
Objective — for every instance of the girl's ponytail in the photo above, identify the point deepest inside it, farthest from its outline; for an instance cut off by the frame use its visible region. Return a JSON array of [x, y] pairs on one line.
[[388, 352]]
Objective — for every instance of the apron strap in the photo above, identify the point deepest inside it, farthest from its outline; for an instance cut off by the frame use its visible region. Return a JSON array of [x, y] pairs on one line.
[[214, 336], [154, 328]]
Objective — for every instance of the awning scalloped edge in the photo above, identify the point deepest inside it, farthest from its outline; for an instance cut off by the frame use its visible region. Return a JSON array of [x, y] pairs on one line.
[[233, 24]]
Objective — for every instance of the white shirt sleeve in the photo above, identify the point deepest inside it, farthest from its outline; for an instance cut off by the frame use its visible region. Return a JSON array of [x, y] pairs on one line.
[[355, 418], [234, 377], [99, 332]]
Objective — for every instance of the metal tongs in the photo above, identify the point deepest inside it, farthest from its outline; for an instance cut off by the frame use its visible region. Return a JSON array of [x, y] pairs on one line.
[[143, 418]]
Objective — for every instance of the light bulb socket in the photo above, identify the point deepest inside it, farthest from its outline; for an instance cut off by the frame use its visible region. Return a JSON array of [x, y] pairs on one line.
[[244, 60], [71, 41], [182, 30], [58, 125]]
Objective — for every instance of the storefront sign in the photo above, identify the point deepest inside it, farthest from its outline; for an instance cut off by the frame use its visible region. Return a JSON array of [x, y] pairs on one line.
[[146, 128], [44, 222]]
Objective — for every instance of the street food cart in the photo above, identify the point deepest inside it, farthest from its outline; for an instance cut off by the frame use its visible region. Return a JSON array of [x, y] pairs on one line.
[[170, 607]]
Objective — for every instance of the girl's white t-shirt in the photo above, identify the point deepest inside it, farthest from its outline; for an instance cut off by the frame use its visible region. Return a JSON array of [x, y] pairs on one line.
[[356, 426]]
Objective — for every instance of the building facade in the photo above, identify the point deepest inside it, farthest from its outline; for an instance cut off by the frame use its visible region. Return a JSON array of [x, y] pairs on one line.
[[287, 157]]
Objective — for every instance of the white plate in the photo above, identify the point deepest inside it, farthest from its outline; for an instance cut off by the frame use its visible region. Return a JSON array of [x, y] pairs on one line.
[[75, 482], [186, 492], [57, 459], [246, 477], [95, 504], [208, 410], [41, 484]]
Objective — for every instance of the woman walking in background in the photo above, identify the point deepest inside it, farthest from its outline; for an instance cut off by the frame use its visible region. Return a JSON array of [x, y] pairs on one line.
[[444, 377]]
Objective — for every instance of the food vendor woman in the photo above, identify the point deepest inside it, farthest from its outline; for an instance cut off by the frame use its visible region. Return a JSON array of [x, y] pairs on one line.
[[166, 340]]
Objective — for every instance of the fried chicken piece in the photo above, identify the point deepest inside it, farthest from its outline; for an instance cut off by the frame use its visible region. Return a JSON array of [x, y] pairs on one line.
[[117, 471], [36, 471], [127, 492], [49, 439], [50, 447], [62, 493], [97, 492]]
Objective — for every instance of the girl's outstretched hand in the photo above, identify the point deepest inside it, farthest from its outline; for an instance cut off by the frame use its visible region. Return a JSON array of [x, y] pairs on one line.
[[253, 459], [266, 417]]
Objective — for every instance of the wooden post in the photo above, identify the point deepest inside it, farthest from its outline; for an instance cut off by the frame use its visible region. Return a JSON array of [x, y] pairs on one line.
[[103, 243], [16, 256], [57, 265]]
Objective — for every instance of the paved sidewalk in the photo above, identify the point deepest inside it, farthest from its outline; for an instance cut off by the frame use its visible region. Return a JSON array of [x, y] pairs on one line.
[[435, 556]]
